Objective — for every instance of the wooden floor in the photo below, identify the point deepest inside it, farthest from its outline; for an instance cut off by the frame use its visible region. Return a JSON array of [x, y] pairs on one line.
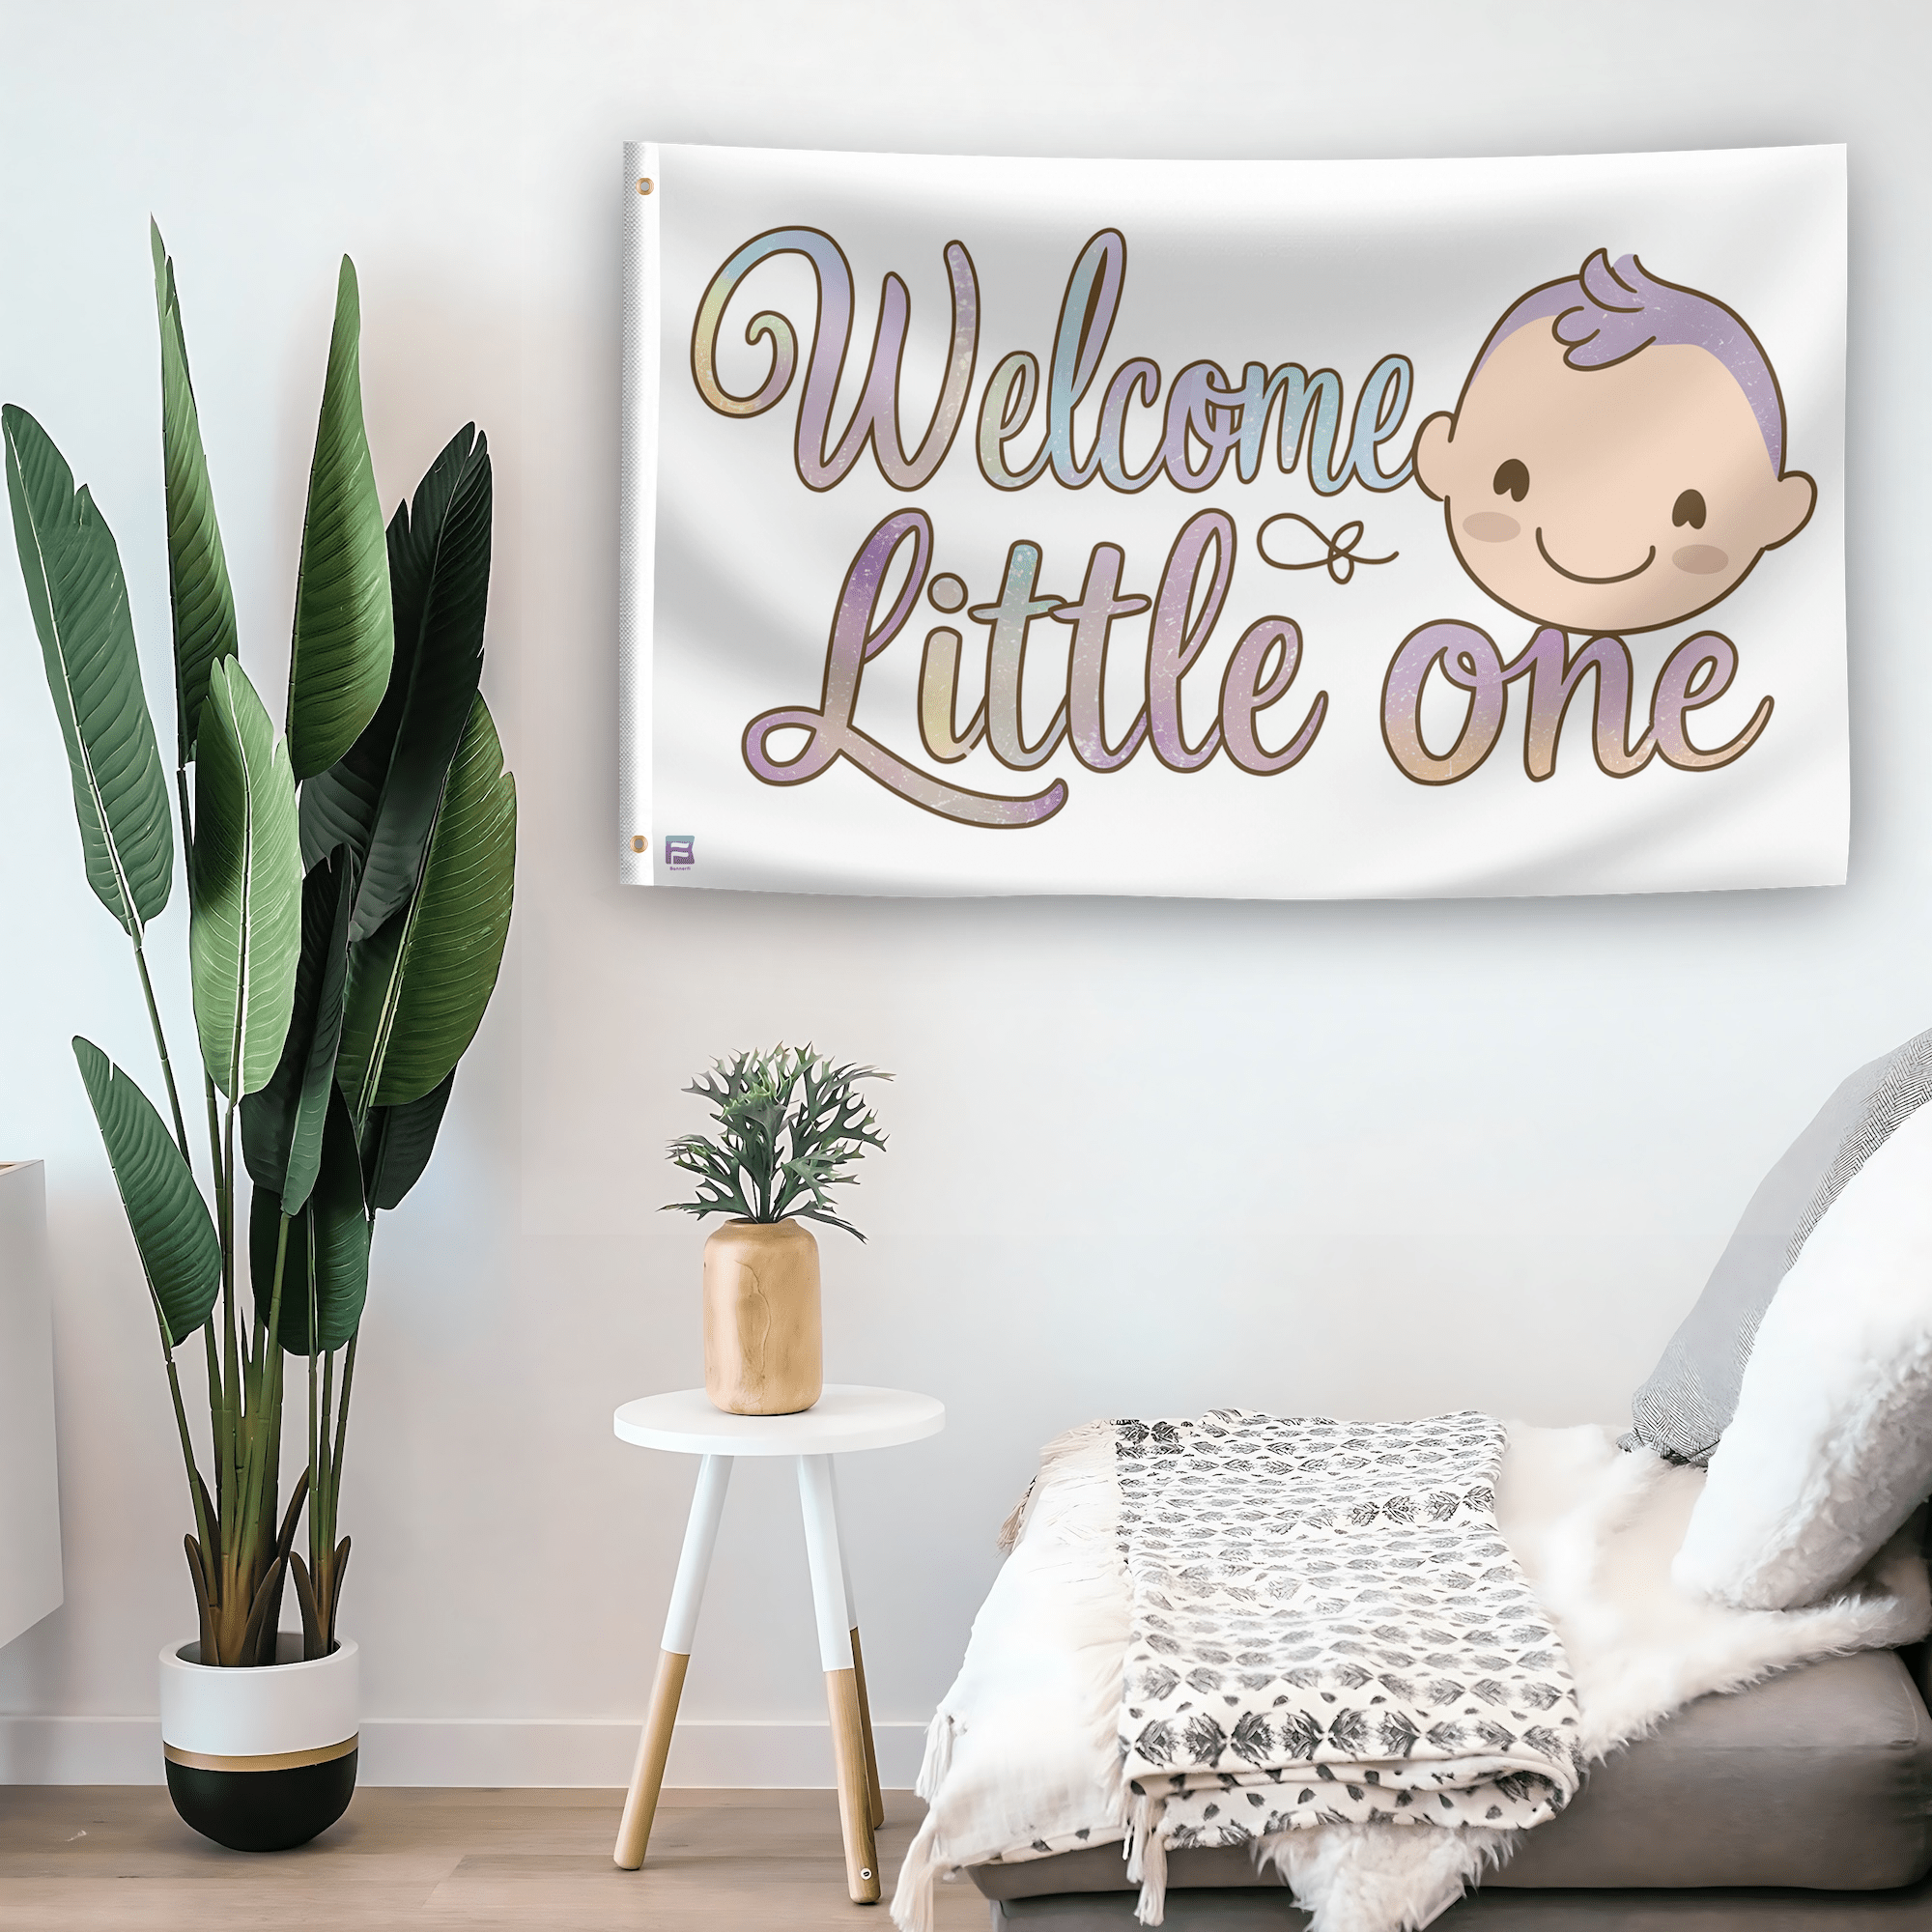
[[102, 1859]]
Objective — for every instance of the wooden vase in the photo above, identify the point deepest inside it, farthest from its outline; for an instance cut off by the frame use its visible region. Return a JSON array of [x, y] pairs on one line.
[[764, 1348]]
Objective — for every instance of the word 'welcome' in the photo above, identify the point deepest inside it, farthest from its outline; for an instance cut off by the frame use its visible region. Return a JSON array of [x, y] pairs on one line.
[[1206, 417]]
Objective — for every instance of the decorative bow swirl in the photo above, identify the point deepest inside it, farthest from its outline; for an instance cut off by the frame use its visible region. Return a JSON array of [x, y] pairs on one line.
[[1338, 552]]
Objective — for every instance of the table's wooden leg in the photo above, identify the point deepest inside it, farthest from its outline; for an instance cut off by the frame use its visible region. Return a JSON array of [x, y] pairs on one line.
[[693, 1563], [640, 1802], [878, 1799], [855, 1810], [841, 1684], [873, 1793]]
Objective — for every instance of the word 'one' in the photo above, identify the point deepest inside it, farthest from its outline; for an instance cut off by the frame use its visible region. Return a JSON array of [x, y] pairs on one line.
[[1696, 674]]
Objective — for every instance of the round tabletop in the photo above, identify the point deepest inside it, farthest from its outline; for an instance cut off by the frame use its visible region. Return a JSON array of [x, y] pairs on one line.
[[843, 1418]]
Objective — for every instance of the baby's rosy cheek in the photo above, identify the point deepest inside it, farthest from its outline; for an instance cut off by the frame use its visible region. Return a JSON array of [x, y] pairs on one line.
[[1701, 560], [1492, 527]]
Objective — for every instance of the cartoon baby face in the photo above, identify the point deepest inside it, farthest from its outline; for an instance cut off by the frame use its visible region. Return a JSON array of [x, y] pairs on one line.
[[1615, 462]]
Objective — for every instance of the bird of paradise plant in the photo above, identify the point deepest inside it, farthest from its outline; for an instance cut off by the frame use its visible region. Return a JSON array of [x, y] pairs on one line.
[[348, 897]]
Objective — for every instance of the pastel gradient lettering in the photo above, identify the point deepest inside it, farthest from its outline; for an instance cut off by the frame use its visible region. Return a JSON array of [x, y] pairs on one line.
[[1202, 408], [1181, 617], [1092, 618], [1249, 687], [1176, 641], [1696, 674], [876, 418], [1470, 660], [1699, 673], [1556, 675], [858, 635], [1006, 663]]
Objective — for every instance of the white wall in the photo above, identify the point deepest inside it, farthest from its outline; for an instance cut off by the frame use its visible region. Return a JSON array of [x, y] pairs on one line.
[[1148, 1156]]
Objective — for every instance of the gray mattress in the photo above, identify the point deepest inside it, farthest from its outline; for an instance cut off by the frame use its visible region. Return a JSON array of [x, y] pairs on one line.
[[1816, 1785], [1725, 1910]]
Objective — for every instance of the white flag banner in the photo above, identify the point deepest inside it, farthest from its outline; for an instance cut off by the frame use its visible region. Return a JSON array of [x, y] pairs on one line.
[[1259, 529]]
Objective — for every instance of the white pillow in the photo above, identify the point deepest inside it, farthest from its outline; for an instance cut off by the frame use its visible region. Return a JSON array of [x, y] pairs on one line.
[[1830, 1448]]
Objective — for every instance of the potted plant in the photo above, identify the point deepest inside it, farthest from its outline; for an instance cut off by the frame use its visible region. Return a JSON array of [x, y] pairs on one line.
[[790, 1126], [349, 895]]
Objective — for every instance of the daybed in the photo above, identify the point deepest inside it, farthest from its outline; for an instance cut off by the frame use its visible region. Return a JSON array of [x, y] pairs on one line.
[[1802, 1805], [1674, 1656]]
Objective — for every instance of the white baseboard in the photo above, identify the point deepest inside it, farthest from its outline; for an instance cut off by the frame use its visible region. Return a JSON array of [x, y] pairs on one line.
[[480, 1751]]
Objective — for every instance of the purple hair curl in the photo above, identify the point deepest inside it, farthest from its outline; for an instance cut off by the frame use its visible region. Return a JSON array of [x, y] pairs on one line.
[[1608, 312]]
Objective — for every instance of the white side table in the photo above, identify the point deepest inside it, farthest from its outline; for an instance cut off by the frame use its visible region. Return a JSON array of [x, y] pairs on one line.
[[845, 1418]]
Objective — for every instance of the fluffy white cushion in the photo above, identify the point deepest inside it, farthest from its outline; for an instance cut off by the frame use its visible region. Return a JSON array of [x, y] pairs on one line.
[[1830, 1448]]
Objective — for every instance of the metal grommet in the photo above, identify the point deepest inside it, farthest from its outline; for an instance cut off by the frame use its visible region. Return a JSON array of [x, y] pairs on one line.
[[645, 185], [639, 843]]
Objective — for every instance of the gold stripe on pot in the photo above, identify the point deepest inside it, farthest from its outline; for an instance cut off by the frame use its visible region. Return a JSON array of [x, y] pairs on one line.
[[268, 1761]]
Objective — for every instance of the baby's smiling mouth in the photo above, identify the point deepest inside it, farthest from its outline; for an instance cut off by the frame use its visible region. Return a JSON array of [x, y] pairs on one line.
[[1621, 576]]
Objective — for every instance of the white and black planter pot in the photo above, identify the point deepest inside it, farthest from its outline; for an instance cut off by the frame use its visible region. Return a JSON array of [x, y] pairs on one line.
[[260, 1760]]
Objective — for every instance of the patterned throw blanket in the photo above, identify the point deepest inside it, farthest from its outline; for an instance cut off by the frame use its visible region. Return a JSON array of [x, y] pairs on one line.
[[1327, 1628]]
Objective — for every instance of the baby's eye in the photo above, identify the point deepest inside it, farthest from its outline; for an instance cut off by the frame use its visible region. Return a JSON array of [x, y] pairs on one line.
[[1512, 481], [1689, 508]]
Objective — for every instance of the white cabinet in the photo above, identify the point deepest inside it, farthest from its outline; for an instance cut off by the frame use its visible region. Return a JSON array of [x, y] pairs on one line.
[[29, 1548]]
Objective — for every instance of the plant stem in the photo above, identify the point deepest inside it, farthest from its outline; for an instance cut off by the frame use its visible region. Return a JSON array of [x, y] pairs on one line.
[[232, 1397], [213, 1140], [161, 1047], [230, 1359], [321, 1504], [194, 1485], [206, 1533], [216, 1401], [314, 1494], [341, 1426], [267, 1413], [334, 1603], [322, 1524]]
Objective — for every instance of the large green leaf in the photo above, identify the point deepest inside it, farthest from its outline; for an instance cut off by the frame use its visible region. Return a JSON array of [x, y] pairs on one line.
[[179, 1253], [80, 601], [419, 988], [398, 1142], [345, 635], [281, 1126], [380, 798], [326, 1267], [198, 589], [245, 930]]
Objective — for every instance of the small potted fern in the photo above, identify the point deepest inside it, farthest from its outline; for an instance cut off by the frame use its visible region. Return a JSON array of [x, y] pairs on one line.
[[790, 1126]]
